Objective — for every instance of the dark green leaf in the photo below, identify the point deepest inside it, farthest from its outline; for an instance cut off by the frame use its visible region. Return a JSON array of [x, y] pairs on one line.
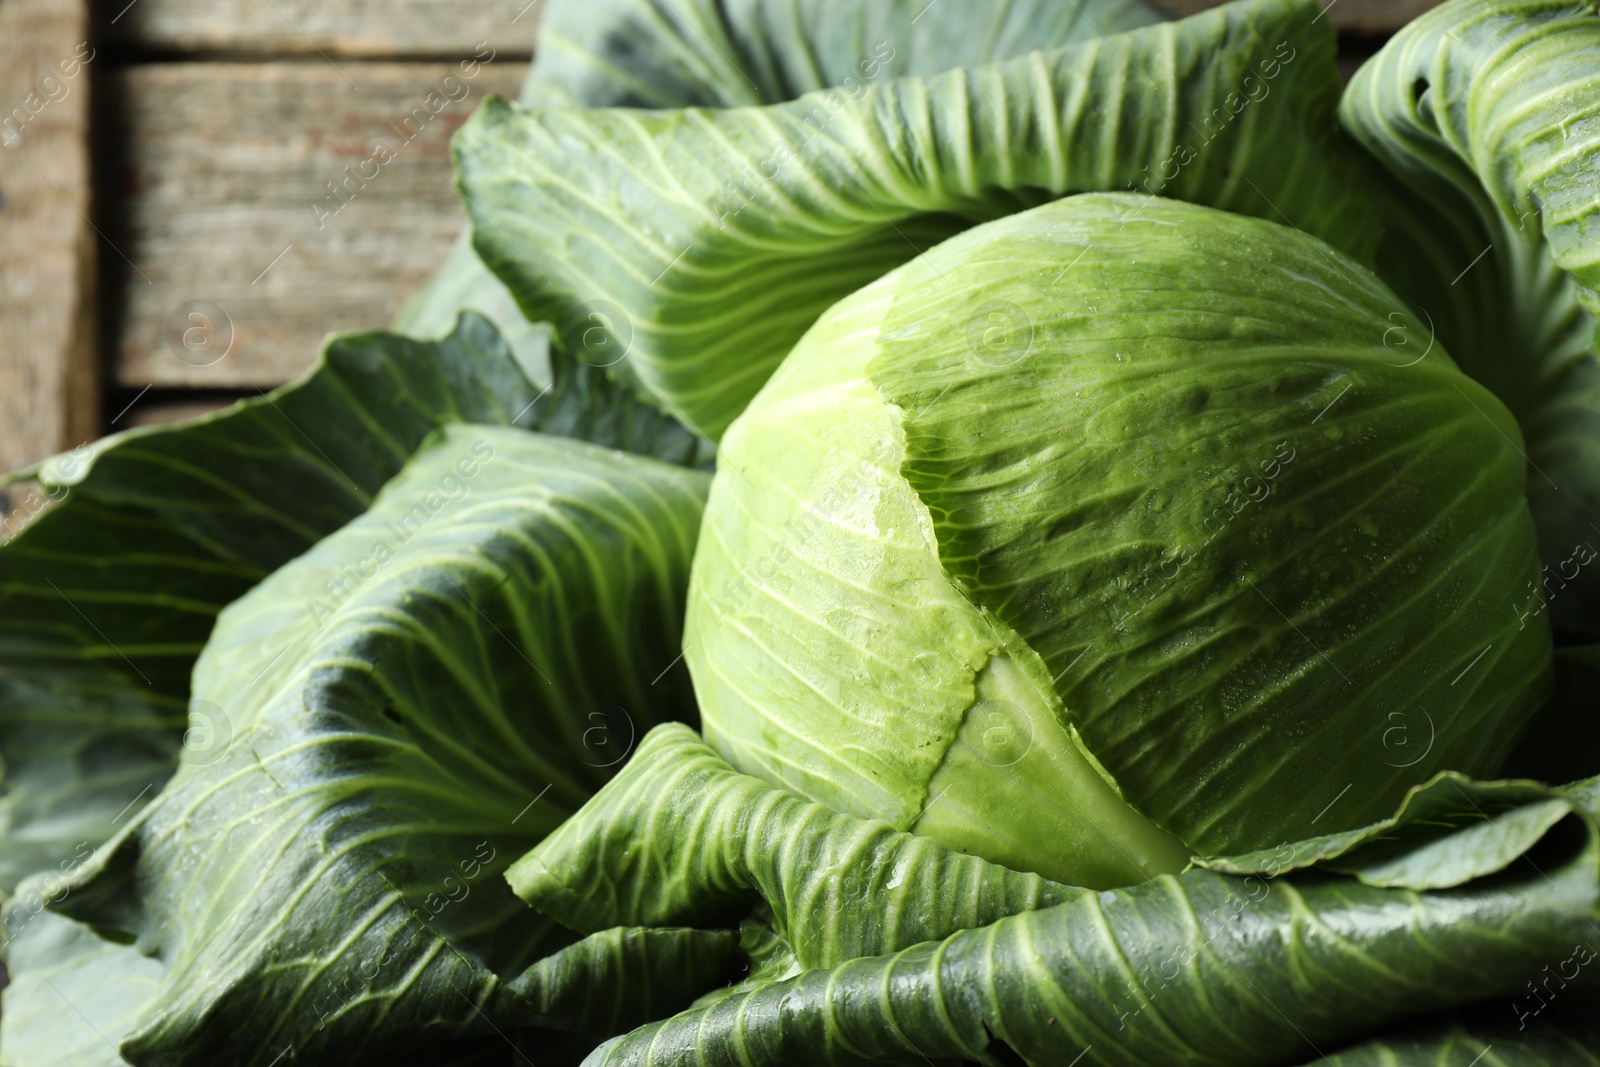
[[1563, 742], [680, 836], [643, 53], [1566, 1033], [107, 598], [1487, 115], [1201, 968], [414, 701], [1447, 832], [711, 53]]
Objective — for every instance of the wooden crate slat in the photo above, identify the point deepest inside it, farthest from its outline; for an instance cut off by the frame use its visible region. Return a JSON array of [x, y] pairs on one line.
[[48, 387], [226, 163], [1355, 16], [372, 28]]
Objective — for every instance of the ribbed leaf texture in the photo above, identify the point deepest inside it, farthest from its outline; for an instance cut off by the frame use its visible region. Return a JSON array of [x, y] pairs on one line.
[[680, 836], [1161, 452], [688, 250], [1486, 114], [413, 702], [107, 598], [672, 54], [1201, 968]]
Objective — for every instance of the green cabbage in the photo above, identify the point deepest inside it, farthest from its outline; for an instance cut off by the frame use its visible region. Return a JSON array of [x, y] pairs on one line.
[[1155, 485], [1109, 533]]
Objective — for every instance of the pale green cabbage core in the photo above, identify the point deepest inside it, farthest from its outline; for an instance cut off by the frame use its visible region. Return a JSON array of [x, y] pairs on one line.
[[1015, 754], [1111, 531]]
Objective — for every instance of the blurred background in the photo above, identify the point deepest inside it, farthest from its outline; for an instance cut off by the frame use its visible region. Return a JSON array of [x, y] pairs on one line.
[[193, 193]]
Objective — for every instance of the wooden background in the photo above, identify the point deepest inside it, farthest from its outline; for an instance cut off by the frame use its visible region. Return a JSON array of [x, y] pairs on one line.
[[160, 251]]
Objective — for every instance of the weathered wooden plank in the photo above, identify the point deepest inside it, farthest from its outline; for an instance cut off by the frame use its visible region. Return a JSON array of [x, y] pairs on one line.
[[374, 28], [269, 204], [1353, 16], [47, 381]]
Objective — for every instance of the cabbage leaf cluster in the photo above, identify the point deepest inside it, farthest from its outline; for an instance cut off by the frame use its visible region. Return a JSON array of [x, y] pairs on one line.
[[903, 533]]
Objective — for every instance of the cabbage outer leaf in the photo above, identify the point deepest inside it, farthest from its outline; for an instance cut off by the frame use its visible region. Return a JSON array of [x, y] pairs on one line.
[[1562, 743], [688, 250], [1501, 1034], [1203, 967], [107, 598], [72, 993], [1487, 115], [649, 53], [681, 837], [713, 53], [420, 697]]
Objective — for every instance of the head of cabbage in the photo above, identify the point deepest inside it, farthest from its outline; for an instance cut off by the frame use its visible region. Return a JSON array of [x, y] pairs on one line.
[[1115, 531]]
